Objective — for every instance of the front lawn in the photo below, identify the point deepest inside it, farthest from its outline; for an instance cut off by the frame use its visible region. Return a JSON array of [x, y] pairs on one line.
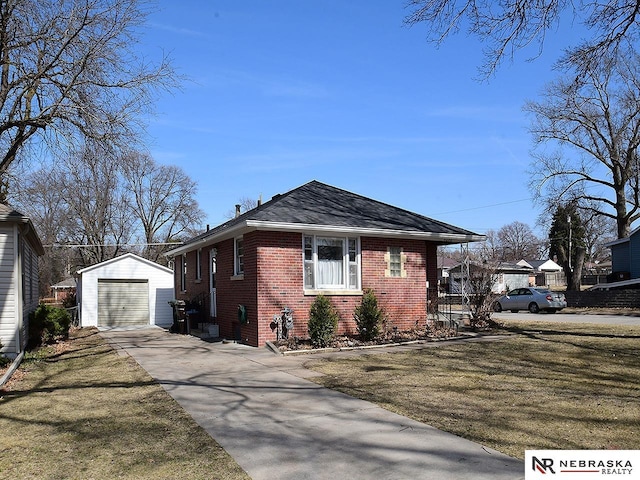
[[79, 410], [547, 386]]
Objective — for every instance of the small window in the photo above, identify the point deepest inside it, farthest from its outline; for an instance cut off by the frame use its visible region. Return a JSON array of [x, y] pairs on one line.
[[239, 256], [183, 273], [309, 266], [198, 265], [395, 260]]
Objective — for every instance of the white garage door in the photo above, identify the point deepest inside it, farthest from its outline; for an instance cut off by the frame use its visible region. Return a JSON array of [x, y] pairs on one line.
[[123, 302]]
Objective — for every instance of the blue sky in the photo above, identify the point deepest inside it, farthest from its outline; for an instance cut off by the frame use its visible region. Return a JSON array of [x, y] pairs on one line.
[[287, 91]]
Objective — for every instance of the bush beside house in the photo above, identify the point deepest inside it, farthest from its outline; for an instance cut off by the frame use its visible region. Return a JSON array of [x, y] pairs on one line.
[[368, 316], [47, 324], [323, 321]]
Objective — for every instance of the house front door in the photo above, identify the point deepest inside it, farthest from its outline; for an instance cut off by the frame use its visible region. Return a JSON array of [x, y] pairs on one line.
[[212, 282]]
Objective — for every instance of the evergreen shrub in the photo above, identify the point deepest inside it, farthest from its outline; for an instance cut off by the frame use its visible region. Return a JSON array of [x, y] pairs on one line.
[[368, 316], [323, 321], [48, 323]]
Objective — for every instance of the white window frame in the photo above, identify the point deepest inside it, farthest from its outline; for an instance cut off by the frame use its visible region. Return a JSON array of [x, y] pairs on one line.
[[183, 273], [198, 264], [351, 260], [238, 256]]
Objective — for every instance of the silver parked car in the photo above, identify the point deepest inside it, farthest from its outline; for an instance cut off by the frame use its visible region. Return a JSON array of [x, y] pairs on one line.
[[532, 299]]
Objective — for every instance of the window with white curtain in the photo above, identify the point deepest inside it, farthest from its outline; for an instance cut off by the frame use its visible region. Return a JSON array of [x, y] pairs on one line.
[[331, 262]]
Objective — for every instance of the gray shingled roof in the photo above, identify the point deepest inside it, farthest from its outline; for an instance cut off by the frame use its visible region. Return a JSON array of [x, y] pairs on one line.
[[6, 212], [319, 205]]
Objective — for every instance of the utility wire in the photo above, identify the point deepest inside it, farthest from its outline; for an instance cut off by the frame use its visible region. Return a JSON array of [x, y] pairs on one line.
[[78, 245], [485, 206]]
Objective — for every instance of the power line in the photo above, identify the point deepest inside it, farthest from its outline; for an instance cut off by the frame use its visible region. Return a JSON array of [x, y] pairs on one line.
[[485, 206], [79, 245]]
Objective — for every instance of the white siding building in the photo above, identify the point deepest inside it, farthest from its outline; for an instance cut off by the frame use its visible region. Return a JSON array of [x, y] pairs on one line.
[[125, 291], [20, 248]]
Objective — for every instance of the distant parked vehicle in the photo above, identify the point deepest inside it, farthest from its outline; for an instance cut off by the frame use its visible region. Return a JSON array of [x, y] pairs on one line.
[[532, 299]]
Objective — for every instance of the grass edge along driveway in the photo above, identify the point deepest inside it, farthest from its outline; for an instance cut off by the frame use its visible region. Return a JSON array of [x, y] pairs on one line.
[[545, 386], [79, 410]]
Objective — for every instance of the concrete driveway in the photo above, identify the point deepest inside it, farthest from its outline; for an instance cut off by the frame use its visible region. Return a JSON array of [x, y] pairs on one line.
[[278, 425], [561, 317]]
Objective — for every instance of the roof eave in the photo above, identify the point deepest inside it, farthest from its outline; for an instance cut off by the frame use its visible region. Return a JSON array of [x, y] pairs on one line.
[[443, 238], [364, 231], [619, 241], [215, 237]]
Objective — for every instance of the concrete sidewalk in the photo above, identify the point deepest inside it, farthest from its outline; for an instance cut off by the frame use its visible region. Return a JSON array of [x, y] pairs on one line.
[[278, 425]]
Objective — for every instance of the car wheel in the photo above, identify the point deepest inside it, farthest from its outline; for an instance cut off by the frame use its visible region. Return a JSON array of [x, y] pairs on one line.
[[533, 307], [497, 307]]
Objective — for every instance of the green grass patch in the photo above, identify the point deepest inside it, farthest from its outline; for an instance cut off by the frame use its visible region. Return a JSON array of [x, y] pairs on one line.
[[546, 386], [83, 411]]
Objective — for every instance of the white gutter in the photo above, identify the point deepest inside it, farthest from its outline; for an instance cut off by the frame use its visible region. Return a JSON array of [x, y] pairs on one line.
[[311, 228], [363, 231]]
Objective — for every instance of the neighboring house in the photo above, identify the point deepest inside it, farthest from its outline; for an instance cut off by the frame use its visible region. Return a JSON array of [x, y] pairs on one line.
[[125, 291], [444, 265], [315, 239], [545, 273], [507, 277], [20, 248], [625, 262], [62, 290]]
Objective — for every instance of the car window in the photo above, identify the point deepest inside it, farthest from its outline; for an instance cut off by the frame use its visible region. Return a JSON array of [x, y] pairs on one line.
[[513, 293], [526, 291]]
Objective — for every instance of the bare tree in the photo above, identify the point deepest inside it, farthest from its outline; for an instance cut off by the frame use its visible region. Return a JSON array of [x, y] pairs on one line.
[[481, 282], [69, 74], [490, 249], [98, 204], [244, 205], [162, 201], [508, 27], [517, 242], [37, 195], [594, 121], [92, 186]]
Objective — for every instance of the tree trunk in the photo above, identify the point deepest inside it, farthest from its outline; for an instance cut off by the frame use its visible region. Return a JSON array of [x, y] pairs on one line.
[[574, 279]]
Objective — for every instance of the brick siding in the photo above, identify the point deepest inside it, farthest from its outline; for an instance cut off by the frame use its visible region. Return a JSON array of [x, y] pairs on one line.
[[273, 280]]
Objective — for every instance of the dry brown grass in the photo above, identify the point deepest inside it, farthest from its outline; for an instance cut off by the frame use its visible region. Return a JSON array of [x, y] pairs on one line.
[[82, 411], [547, 386]]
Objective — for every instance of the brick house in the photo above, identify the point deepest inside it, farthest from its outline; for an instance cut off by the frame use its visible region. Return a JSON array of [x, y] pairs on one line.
[[315, 239]]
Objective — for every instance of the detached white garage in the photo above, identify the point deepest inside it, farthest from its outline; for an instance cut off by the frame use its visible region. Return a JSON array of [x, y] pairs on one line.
[[125, 291]]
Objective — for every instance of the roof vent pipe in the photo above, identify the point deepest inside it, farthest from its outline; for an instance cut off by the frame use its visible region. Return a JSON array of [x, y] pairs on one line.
[[237, 210]]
